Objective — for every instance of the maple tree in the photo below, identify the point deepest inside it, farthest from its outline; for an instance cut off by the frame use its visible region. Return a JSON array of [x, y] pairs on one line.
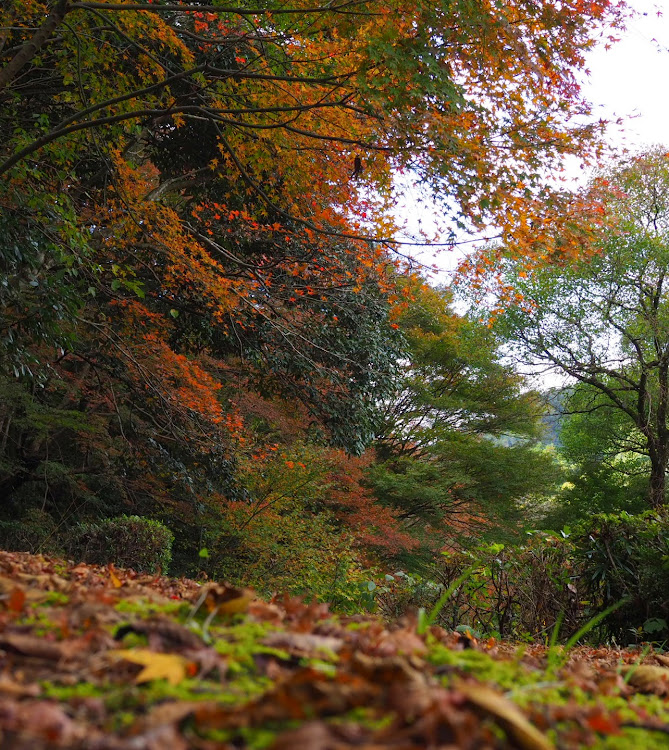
[[186, 118], [459, 445]]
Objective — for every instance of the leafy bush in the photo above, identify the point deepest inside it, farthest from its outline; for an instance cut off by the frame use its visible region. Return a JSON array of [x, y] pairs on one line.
[[126, 541], [521, 592], [35, 532], [286, 550], [625, 556]]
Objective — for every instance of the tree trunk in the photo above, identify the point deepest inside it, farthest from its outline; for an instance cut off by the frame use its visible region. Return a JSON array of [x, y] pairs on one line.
[[658, 478], [31, 48]]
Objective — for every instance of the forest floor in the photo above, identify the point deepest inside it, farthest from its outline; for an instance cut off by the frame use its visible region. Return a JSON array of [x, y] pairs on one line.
[[106, 659]]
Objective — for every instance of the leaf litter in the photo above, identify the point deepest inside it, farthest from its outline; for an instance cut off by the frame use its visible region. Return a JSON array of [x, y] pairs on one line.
[[106, 659]]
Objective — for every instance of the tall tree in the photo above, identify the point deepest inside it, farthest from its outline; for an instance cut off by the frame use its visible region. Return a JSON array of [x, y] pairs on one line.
[[163, 123], [606, 460], [459, 451], [604, 320]]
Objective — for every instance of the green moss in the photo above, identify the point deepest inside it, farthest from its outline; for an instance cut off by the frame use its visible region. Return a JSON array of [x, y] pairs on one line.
[[365, 717], [67, 692], [148, 608], [631, 737], [55, 599], [242, 641], [505, 674]]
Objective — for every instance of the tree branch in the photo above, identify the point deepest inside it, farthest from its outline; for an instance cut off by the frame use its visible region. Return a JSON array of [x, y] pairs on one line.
[[31, 48]]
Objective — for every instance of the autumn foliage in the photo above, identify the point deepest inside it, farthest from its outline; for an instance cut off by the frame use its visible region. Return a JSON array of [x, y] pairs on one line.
[[201, 261]]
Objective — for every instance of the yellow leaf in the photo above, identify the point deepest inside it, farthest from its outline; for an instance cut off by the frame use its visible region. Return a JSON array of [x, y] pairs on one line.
[[116, 581], [170, 667]]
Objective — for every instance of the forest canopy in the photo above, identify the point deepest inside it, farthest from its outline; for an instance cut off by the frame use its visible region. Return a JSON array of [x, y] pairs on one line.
[[207, 309]]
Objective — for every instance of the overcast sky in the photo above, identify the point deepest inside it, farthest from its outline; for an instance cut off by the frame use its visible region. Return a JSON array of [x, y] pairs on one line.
[[630, 79]]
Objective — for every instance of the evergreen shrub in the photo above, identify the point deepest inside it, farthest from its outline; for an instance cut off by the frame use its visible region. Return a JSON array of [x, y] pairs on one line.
[[35, 531], [626, 557], [127, 541]]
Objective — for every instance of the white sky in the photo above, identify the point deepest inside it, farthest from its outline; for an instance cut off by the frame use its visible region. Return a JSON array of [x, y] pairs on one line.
[[630, 81]]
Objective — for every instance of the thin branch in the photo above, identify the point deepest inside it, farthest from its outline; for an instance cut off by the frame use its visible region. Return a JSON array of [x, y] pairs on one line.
[[217, 8]]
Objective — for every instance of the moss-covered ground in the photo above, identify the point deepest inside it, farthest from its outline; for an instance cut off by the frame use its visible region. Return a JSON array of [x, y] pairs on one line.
[[102, 658]]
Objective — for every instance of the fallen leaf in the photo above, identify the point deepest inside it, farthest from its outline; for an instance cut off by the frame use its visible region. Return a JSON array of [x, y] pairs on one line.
[[169, 633], [527, 736], [41, 720], [17, 600], [304, 644], [228, 600], [647, 678], [170, 667], [116, 581], [10, 687], [31, 645], [604, 723]]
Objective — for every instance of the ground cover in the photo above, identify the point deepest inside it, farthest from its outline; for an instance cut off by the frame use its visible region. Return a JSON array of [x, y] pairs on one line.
[[97, 657]]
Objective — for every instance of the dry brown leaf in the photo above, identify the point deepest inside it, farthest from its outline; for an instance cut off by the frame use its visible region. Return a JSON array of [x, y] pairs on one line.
[[304, 644], [168, 632], [492, 702], [9, 687], [228, 600], [313, 735], [647, 678], [39, 719], [401, 641], [31, 645], [171, 712]]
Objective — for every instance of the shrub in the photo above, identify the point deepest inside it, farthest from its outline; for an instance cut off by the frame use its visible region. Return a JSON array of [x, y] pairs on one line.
[[126, 541], [520, 592], [286, 550], [35, 532], [625, 556]]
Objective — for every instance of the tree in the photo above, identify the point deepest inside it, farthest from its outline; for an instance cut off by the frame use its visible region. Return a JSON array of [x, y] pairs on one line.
[[606, 461], [604, 320], [170, 121], [179, 224], [459, 450]]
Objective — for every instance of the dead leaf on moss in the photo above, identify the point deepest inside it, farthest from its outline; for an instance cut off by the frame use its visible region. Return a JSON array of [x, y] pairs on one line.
[[163, 631], [171, 712], [8, 686], [647, 678], [31, 645], [228, 600], [603, 722], [43, 720], [492, 702], [170, 667], [304, 644]]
